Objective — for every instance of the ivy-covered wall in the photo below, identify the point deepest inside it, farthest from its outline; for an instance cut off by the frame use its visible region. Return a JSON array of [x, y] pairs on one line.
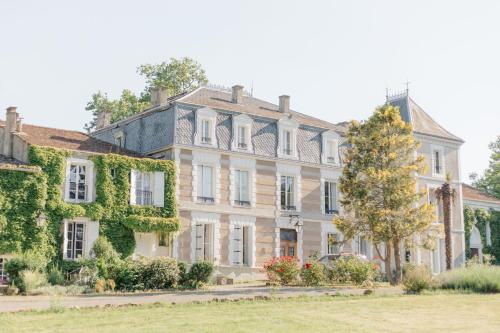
[[482, 217], [42, 192], [22, 199]]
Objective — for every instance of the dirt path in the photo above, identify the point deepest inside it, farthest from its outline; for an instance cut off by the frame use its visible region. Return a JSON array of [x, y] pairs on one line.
[[19, 303]]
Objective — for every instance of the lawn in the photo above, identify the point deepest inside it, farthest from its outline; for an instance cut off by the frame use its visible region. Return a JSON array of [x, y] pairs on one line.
[[426, 313]]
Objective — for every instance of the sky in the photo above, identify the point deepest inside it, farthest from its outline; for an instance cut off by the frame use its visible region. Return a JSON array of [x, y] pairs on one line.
[[334, 58]]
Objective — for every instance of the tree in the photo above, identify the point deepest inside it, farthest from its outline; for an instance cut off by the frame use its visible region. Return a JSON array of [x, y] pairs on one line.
[[490, 181], [378, 186], [445, 196], [176, 75]]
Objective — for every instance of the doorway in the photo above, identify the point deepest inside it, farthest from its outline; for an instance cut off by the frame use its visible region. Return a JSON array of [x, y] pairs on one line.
[[288, 242]]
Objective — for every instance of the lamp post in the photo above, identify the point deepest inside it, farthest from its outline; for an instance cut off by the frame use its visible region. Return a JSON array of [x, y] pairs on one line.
[[296, 222]]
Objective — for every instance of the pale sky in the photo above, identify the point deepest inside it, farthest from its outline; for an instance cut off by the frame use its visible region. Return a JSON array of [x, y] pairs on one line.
[[334, 58]]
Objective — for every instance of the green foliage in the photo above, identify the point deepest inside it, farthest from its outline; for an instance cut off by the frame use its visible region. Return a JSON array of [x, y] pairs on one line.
[[481, 217], [468, 224], [161, 273], [352, 270], [55, 276], [151, 223], [177, 75], [378, 183], [313, 273], [489, 182], [199, 273], [103, 250], [282, 270], [477, 278], [416, 279]]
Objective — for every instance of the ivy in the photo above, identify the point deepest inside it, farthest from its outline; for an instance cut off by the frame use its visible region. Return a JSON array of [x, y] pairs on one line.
[[40, 191], [482, 217]]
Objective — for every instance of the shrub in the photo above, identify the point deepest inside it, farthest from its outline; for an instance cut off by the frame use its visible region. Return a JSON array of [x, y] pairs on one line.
[[199, 273], [128, 274], [313, 273], [352, 270], [478, 278], [55, 276], [103, 250], [161, 273], [183, 273], [31, 280], [283, 270], [416, 279], [28, 261]]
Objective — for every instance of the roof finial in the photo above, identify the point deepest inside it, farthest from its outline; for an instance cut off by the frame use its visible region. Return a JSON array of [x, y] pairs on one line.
[[386, 94], [407, 83]]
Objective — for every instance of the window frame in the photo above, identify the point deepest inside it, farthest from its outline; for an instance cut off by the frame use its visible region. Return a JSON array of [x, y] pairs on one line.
[[327, 197], [441, 162], [206, 116], [287, 138], [88, 184], [201, 198], [290, 203], [244, 122], [238, 198], [332, 138], [70, 244]]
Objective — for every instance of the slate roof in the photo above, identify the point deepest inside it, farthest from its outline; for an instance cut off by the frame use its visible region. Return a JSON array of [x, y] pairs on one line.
[[217, 99], [7, 160], [472, 193], [67, 139], [422, 123]]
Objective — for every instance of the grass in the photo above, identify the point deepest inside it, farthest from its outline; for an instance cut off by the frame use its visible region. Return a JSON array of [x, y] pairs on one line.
[[478, 278], [451, 312]]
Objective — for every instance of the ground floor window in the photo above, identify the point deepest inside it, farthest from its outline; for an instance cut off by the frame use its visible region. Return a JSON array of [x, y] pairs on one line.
[[241, 247], [204, 242], [74, 238], [288, 242], [3, 275]]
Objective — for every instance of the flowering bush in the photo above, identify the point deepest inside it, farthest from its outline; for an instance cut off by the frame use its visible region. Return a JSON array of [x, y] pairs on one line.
[[313, 273], [282, 270], [352, 270]]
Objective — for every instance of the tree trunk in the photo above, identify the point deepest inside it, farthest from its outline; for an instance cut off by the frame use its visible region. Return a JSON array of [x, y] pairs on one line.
[[387, 263], [397, 260], [446, 196]]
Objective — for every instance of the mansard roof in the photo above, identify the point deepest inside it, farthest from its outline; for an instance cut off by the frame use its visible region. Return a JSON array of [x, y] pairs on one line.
[[67, 139], [221, 100], [422, 123]]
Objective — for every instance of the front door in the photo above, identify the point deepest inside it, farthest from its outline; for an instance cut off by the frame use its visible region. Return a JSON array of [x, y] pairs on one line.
[[288, 243]]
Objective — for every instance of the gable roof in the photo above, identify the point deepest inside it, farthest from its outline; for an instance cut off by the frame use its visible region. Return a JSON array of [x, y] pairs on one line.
[[222, 100], [472, 193], [422, 123], [67, 139]]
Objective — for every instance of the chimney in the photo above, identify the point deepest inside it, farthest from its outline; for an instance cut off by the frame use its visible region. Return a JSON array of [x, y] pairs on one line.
[[284, 104], [159, 96], [103, 120], [237, 96], [19, 125], [10, 127]]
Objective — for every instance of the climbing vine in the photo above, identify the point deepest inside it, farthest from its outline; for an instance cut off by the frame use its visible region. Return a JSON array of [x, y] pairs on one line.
[[481, 217], [118, 220]]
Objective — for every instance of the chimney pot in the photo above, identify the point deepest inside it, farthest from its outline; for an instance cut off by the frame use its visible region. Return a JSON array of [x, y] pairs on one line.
[[237, 95], [10, 127], [19, 125], [284, 106], [159, 96], [103, 119]]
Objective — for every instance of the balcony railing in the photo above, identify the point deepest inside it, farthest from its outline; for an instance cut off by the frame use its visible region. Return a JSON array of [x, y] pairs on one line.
[[287, 151], [242, 145], [144, 198], [206, 140], [242, 203], [331, 211], [285, 207], [205, 200], [330, 159]]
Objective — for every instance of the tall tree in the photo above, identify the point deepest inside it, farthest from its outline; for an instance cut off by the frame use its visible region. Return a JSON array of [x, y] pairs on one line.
[[446, 195], [378, 186], [177, 75], [490, 181]]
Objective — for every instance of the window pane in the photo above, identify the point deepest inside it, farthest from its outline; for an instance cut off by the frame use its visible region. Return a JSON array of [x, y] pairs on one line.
[[207, 181], [244, 185], [283, 191]]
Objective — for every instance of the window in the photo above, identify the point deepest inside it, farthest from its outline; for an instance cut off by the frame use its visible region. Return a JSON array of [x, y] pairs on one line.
[[362, 246], [437, 161], [333, 243], [204, 242], [143, 189], [407, 255], [242, 137], [241, 248], [287, 193], [206, 129], [241, 196], [119, 141], [331, 198], [75, 233], [287, 142], [205, 184], [331, 151], [78, 182], [3, 274]]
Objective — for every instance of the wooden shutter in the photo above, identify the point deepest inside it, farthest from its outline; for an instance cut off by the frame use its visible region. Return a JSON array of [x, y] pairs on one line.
[[238, 245], [91, 233], [133, 177], [65, 242], [159, 189], [199, 249]]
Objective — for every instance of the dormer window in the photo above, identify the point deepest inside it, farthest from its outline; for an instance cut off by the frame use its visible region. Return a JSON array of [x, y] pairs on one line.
[[330, 152], [79, 180], [206, 120], [287, 147], [242, 133], [119, 138]]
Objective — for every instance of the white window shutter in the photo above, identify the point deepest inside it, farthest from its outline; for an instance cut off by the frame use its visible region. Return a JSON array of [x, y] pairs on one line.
[[66, 182], [133, 176], [159, 189], [92, 232], [65, 242], [200, 242], [90, 183], [238, 245]]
